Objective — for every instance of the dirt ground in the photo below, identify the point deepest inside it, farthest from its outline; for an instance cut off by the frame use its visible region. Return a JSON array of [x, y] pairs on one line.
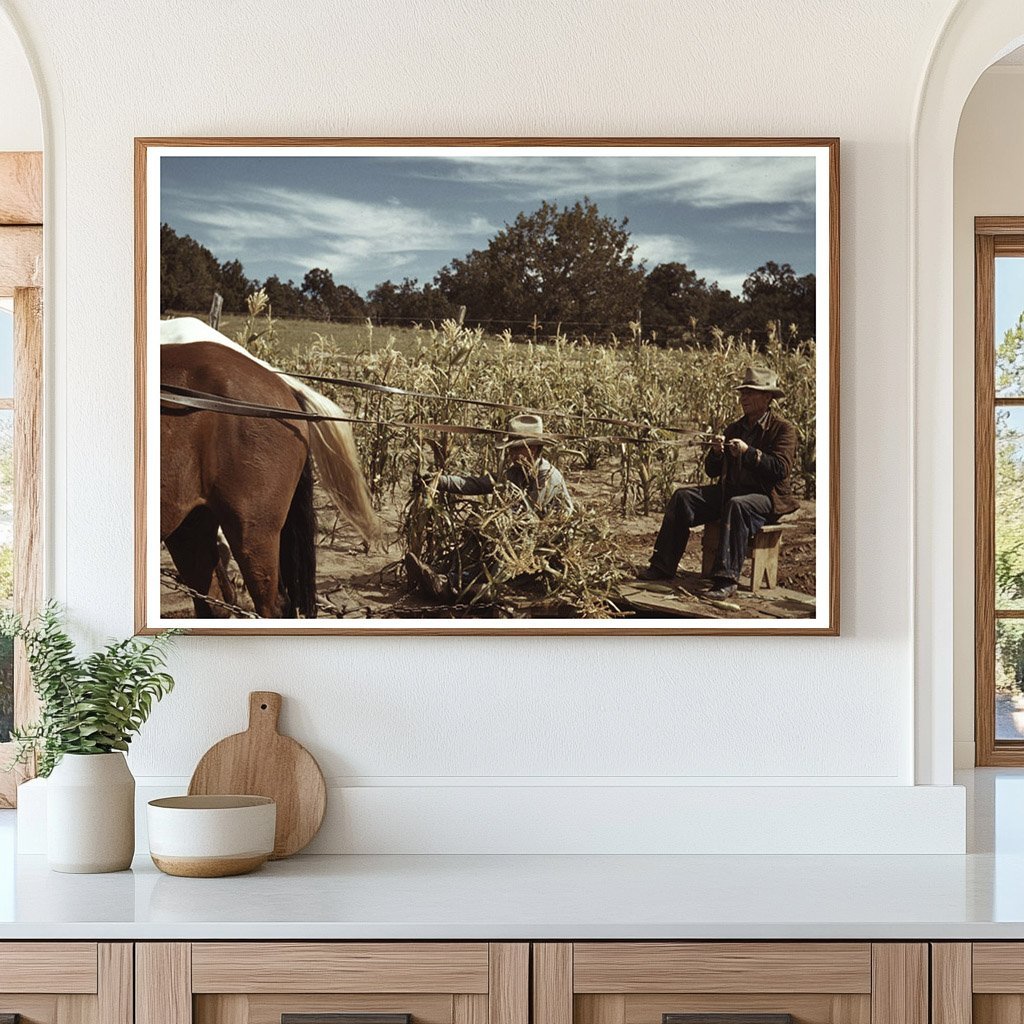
[[354, 583]]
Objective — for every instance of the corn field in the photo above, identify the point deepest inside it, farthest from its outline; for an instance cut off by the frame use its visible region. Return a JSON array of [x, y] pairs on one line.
[[667, 400]]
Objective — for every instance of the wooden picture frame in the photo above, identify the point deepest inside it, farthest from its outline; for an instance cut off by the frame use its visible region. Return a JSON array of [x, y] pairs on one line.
[[189, 190]]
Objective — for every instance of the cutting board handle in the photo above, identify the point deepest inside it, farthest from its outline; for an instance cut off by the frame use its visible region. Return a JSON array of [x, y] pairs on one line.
[[264, 710]]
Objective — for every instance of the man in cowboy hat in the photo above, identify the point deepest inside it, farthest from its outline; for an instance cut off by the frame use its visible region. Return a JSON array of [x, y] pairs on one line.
[[752, 461], [542, 485]]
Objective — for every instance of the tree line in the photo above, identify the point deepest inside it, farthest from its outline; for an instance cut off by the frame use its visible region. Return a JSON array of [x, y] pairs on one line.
[[568, 266]]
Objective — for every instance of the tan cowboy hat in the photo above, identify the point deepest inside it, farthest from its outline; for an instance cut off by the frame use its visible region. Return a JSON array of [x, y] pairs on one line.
[[760, 378], [525, 429]]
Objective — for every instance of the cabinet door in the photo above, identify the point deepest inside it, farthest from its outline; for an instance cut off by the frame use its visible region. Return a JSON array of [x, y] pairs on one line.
[[730, 983], [981, 982], [66, 982], [332, 983]]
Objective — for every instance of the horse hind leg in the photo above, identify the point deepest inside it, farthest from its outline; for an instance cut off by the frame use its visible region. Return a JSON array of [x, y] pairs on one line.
[[257, 552], [193, 548]]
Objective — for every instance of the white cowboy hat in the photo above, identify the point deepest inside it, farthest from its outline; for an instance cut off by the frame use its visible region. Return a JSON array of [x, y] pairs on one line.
[[760, 378], [525, 429]]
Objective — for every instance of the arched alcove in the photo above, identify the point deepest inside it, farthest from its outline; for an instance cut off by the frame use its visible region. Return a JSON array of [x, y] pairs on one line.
[[977, 33]]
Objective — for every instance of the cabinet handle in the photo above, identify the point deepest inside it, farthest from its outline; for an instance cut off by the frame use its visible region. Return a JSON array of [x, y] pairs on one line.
[[727, 1018], [337, 1018], [10, 1018]]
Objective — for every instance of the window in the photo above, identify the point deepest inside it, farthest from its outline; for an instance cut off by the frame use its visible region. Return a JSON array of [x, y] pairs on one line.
[[999, 490], [21, 347]]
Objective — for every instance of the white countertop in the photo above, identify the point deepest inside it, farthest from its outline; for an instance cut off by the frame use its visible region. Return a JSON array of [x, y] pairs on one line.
[[977, 896], [538, 897]]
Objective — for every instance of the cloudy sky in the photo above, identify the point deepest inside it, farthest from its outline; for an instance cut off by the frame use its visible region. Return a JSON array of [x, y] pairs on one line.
[[371, 218]]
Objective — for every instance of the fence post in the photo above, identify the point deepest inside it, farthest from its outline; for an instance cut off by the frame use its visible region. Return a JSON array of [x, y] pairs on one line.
[[462, 315], [215, 310]]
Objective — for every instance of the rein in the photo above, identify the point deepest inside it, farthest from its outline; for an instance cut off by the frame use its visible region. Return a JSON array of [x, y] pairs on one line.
[[171, 394]]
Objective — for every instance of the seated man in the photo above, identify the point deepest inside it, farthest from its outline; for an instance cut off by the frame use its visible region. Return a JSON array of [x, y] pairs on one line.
[[541, 487], [753, 461]]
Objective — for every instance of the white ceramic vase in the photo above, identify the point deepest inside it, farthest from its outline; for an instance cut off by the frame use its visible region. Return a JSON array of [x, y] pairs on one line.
[[90, 814]]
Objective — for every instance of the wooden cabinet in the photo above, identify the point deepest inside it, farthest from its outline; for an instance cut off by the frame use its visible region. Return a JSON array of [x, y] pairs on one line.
[[66, 982], [682, 982], [266, 982], [980, 982], [494, 983]]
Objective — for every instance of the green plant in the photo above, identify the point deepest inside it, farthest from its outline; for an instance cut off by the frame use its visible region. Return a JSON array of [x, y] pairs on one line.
[[89, 705]]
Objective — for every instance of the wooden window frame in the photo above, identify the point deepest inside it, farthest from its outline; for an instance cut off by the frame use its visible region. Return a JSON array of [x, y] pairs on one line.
[[21, 279], [993, 237]]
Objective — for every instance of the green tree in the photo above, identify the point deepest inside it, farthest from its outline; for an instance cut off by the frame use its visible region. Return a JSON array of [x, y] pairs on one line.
[[570, 265], [189, 273], [234, 286], [330, 301], [774, 292], [1009, 502], [676, 301]]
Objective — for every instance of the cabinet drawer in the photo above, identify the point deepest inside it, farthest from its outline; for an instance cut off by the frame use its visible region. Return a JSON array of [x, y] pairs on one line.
[[61, 982], [68, 967], [730, 983], [630, 967], [308, 982], [339, 967]]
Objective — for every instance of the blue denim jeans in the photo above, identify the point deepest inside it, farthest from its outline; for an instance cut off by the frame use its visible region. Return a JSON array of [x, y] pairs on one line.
[[741, 517]]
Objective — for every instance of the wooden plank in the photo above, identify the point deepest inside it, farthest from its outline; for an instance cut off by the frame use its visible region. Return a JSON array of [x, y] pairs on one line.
[[997, 1009], [722, 967], [509, 983], [339, 967], [999, 226], [984, 501], [163, 983], [603, 1009], [552, 983], [28, 482], [998, 967], [58, 967], [77, 1010], [899, 983], [21, 188], [951, 983], [227, 1009], [116, 982], [468, 1009], [806, 1008], [21, 259]]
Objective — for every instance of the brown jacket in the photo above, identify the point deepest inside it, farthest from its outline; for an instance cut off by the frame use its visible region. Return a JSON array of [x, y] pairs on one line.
[[765, 467]]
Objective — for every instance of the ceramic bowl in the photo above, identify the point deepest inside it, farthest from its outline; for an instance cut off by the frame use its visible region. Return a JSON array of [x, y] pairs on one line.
[[211, 836]]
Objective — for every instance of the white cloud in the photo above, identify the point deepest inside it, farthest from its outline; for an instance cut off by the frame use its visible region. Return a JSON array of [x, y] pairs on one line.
[[710, 181], [308, 229]]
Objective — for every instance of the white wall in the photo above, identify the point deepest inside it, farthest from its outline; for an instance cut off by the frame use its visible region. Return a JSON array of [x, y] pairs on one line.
[[426, 716], [21, 127], [987, 182]]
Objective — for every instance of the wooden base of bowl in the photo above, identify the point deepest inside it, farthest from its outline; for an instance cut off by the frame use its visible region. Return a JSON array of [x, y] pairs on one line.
[[209, 867]]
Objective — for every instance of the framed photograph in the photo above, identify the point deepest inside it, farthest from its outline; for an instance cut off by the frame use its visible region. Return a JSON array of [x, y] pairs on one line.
[[471, 385]]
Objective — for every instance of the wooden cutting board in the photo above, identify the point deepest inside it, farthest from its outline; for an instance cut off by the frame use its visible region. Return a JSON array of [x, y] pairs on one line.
[[262, 762]]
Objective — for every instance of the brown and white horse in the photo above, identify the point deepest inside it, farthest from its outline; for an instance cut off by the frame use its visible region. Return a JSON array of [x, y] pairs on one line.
[[249, 477]]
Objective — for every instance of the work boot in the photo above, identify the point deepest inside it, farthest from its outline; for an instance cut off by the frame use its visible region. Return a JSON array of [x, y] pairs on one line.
[[653, 573], [722, 591]]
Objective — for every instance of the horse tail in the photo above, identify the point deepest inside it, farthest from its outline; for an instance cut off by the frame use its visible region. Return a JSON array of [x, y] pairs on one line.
[[333, 448], [298, 549]]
